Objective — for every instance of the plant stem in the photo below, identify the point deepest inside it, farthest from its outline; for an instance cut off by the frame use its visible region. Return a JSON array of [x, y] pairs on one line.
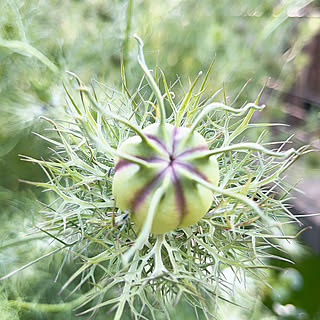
[[127, 31], [45, 307], [250, 203], [242, 147], [26, 49], [159, 268], [151, 81], [125, 295], [220, 106], [144, 233]]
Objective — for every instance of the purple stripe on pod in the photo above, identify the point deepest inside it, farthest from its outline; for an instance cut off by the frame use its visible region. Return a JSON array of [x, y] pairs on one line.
[[142, 194], [158, 141], [192, 169], [153, 159], [202, 147], [179, 194], [122, 163]]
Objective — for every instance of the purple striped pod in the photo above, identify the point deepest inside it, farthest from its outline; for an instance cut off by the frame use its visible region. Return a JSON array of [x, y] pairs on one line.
[[184, 201]]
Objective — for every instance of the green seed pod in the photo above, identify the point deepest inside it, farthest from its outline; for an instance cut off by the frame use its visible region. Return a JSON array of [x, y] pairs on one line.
[[169, 152]]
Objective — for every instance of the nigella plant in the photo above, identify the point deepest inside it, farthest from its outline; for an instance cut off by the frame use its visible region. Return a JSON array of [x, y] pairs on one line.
[[157, 197]]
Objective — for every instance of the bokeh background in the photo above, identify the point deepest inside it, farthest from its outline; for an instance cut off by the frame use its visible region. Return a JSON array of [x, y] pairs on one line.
[[252, 40]]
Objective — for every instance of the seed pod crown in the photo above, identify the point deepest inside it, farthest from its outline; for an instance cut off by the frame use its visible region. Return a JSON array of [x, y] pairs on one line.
[[168, 171], [168, 153]]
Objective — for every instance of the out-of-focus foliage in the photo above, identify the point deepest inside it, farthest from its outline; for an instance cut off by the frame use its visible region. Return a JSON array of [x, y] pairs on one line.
[[294, 292], [40, 39], [252, 39]]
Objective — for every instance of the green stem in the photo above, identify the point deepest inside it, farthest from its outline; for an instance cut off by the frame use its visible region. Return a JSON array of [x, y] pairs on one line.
[[159, 268], [103, 144], [171, 256], [46, 307], [241, 128], [203, 88], [185, 103], [127, 31], [257, 184], [245, 123], [26, 49], [221, 258], [215, 106], [120, 119], [125, 295], [151, 80], [145, 231], [242, 147], [220, 106], [227, 193]]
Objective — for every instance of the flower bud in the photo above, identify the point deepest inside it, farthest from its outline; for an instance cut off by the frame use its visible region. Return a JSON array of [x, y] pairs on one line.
[[184, 201]]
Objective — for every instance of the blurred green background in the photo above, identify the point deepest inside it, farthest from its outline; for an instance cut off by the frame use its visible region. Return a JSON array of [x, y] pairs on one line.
[[253, 39]]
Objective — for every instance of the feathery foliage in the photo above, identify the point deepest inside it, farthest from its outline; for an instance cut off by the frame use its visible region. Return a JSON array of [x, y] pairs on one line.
[[245, 221]]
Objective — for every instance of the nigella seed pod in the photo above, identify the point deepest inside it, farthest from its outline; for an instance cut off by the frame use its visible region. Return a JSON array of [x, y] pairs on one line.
[[169, 153]]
